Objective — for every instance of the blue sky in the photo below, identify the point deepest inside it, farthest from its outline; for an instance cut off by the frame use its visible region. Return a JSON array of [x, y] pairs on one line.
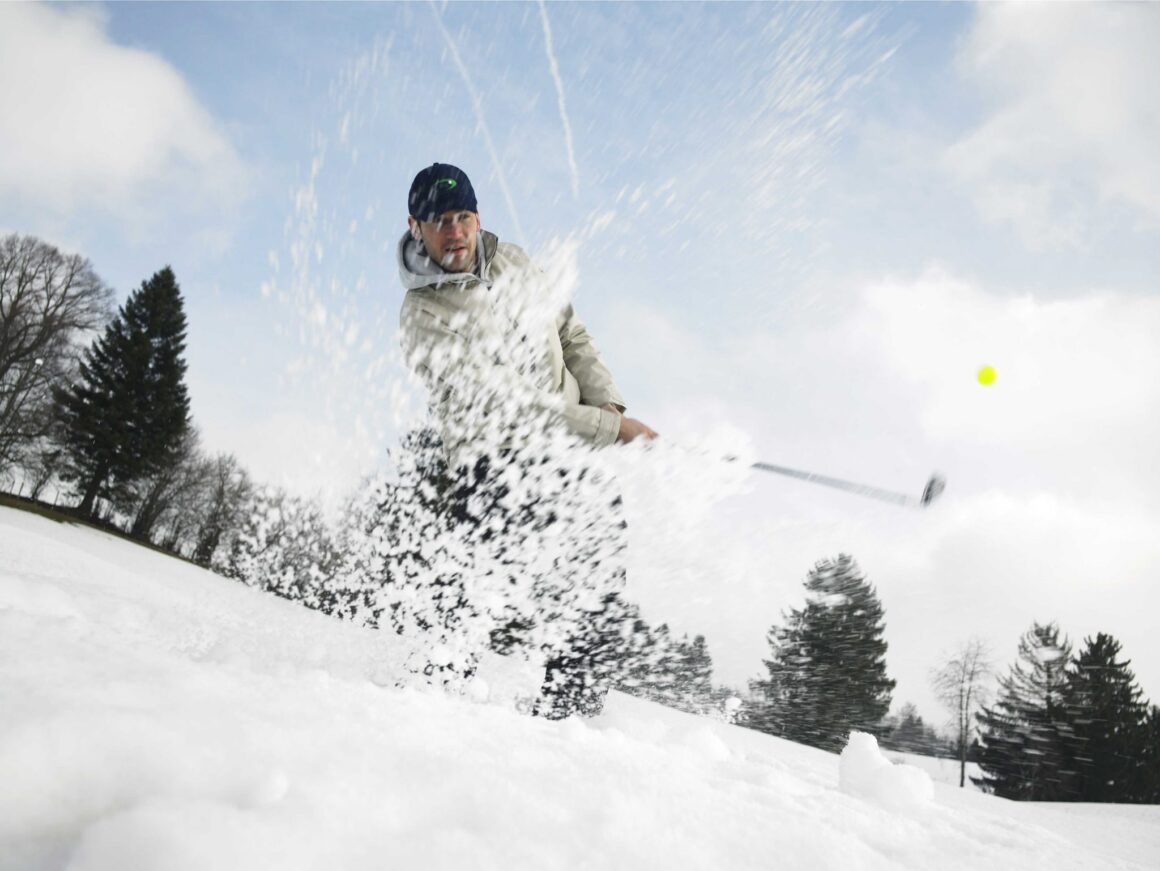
[[802, 228]]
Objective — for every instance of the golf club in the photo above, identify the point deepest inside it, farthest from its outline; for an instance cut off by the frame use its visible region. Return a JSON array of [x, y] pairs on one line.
[[930, 492]]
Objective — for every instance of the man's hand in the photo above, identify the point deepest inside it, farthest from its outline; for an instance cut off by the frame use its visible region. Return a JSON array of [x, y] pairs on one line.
[[630, 427]]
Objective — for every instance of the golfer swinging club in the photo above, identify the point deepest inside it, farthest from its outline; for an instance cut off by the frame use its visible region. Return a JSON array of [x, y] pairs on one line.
[[513, 375]]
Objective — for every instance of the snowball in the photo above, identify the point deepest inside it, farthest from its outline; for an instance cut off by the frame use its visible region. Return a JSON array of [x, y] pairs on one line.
[[864, 772]]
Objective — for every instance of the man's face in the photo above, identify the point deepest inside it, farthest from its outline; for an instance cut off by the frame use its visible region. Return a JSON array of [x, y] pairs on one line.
[[451, 240]]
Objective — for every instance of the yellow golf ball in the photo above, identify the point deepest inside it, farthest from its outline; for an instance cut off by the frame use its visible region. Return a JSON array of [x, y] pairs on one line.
[[987, 375]]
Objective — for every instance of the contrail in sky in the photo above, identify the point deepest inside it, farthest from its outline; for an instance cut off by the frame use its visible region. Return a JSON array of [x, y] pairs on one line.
[[507, 195], [560, 99]]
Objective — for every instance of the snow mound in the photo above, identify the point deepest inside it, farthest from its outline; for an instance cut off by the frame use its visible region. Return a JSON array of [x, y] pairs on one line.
[[864, 772]]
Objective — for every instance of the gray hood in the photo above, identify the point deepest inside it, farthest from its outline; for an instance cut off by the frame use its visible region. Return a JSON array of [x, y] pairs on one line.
[[417, 270]]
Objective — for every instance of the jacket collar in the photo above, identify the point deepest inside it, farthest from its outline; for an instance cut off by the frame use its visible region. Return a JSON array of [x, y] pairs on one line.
[[417, 270]]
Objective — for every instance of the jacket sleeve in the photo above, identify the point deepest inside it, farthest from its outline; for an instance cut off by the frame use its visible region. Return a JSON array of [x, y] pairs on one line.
[[583, 360], [475, 390]]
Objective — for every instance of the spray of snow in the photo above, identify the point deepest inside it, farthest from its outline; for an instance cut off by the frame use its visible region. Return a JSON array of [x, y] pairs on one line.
[[337, 292], [555, 67]]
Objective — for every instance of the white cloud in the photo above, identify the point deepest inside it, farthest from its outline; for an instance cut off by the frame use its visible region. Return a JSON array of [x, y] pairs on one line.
[[85, 122], [1053, 495], [1076, 123], [891, 384], [1073, 374]]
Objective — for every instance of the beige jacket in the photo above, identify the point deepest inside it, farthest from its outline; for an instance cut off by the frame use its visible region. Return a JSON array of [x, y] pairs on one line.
[[501, 357]]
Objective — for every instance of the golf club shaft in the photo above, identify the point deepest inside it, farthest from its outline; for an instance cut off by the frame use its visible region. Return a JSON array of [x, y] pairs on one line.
[[929, 493]]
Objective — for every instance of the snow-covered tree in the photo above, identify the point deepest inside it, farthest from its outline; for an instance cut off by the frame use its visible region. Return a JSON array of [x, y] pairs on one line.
[[827, 674], [694, 675], [1108, 720], [907, 733], [673, 672], [1146, 788], [1023, 744]]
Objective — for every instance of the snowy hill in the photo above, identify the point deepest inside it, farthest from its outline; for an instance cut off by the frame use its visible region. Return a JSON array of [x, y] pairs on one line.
[[154, 716]]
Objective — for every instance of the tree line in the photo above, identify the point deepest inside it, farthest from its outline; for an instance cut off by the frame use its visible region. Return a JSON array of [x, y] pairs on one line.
[[1064, 726], [1070, 726], [94, 407]]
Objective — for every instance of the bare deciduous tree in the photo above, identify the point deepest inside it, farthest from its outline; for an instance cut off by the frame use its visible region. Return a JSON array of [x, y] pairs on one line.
[[48, 301], [228, 489], [961, 685], [155, 498], [190, 503]]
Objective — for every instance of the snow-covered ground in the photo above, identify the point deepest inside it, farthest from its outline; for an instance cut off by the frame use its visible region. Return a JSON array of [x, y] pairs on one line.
[[940, 770], [154, 716]]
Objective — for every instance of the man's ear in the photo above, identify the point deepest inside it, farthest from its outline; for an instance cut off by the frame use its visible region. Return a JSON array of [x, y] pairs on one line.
[[414, 225]]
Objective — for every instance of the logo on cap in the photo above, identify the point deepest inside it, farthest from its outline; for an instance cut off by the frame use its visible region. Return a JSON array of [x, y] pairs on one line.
[[447, 184]]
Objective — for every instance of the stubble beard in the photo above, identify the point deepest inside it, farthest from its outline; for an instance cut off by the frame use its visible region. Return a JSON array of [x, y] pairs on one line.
[[459, 261]]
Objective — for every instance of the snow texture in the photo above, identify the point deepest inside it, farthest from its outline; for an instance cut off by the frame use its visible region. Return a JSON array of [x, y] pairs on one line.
[[863, 771], [156, 717], [940, 769]]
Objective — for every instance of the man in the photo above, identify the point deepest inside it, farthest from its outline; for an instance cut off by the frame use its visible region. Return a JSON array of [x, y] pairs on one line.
[[515, 379]]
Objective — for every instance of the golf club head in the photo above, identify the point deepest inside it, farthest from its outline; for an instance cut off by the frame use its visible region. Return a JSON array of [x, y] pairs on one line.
[[934, 487]]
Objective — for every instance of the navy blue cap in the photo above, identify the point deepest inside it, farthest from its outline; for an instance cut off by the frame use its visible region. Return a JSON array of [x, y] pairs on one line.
[[440, 188]]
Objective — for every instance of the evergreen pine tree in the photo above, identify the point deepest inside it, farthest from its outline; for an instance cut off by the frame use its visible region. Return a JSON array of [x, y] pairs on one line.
[[827, 675], [126, 415], [658, 663], [909, 734], [1146, 781], [1024, 741], [1108, 720], [644, 650], [655, 666], [693, 675]]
